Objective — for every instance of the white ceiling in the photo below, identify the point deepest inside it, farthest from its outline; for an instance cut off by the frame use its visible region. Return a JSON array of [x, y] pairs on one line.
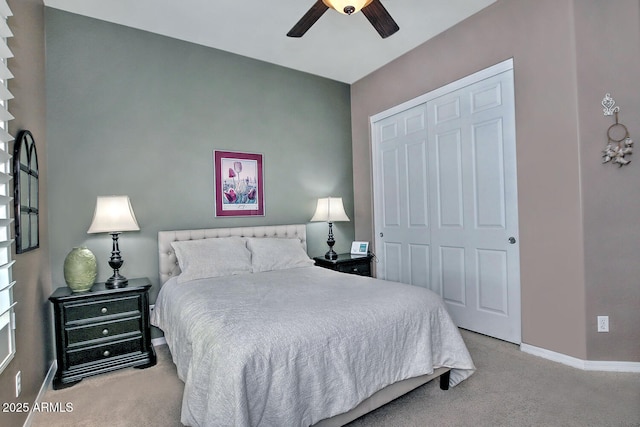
[[339, 47]]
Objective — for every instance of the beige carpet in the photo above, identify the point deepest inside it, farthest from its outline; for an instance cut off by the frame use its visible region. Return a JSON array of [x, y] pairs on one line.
[[510, 388], [129, 397]]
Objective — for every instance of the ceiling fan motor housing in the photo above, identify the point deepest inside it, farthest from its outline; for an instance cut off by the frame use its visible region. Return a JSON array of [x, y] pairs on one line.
[[347, 7]]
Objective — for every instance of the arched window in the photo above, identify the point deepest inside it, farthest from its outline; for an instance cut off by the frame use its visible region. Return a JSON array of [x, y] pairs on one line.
[[25, 189]]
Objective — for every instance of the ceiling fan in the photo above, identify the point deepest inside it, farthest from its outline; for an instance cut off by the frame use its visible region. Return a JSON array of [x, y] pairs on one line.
[[372, 9]]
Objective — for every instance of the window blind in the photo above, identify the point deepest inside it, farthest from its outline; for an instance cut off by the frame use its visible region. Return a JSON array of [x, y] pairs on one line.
[[7, 305]]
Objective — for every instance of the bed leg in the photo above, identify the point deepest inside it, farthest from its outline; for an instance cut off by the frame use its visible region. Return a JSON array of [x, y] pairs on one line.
[[444, 380]]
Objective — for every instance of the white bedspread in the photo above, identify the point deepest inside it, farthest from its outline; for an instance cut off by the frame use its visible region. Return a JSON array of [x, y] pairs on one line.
[[293, 347]]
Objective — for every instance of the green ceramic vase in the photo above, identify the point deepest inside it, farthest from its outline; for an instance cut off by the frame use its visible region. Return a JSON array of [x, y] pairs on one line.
[[80, 269]]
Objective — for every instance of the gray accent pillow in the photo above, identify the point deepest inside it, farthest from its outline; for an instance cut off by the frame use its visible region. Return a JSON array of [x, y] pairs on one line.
[[221, 256], [277, 254]]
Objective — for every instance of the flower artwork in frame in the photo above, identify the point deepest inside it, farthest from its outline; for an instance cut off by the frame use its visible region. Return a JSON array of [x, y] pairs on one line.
[[239, 190]]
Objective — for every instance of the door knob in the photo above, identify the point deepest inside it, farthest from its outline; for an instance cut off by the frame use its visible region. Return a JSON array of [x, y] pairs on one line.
[[381, 234], [512, 240]]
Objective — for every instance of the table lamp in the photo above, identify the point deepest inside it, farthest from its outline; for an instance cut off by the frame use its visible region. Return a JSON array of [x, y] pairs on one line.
[[114, 215], [330, 209]]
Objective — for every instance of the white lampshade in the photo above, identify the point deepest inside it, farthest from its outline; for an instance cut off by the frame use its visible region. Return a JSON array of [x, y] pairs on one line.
[[340, 5], [113, 214], [330, 209]]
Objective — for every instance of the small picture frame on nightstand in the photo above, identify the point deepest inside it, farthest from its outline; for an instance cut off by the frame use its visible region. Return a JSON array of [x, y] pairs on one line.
[[359, 248]]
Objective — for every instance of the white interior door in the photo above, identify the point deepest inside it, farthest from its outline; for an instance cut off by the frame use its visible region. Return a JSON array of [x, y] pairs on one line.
[[446, 201], [474, 206], [404, 216]]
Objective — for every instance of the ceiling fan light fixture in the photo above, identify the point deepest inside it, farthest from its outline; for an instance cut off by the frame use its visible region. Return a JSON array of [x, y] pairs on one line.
[[373, 10], [347, 7]]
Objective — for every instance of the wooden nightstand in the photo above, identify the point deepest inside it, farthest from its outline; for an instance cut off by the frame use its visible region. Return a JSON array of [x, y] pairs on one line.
[[347, 263], [101, 330]]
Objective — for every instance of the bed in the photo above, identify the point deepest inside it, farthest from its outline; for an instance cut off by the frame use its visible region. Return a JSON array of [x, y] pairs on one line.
[[262, 337]]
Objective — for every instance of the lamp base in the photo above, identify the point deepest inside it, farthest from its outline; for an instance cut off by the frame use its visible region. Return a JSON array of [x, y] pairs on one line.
[[331, 254], [115, 262], [116, 281]]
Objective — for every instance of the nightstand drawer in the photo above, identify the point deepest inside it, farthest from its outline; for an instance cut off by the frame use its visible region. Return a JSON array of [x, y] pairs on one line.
[[97, 309], [79, 335], [104, 351], [361, 269]]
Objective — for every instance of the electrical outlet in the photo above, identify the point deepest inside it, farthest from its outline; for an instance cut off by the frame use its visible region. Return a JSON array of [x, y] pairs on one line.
[[18, 384], [603, 323]]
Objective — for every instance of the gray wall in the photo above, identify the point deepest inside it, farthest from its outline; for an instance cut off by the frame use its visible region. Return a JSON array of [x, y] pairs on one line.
[[579, 235], [130, 112]]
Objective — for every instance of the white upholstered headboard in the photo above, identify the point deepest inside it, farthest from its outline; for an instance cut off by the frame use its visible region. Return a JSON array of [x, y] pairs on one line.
[[168, 262]]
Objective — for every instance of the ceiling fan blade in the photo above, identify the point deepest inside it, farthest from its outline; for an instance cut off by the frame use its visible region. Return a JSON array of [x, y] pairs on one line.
[[308, 19], [380, 19]]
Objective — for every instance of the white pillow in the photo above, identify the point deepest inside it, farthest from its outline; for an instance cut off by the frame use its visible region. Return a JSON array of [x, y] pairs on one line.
[[276, 254], [202, 258]]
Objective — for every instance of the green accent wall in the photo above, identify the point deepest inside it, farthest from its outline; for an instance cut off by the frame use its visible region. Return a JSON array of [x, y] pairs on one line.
[[130, 112]]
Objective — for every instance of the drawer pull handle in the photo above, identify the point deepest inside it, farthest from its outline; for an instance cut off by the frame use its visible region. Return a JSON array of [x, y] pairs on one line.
[[104, 310], [105, 332], [106, 353]]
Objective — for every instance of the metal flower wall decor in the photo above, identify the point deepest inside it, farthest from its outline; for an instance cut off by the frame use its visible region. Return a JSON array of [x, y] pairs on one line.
[[619, 142]]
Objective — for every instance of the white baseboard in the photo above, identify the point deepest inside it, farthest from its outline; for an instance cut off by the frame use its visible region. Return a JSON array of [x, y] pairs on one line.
[[158, 341], [43, 388], [585, 365]]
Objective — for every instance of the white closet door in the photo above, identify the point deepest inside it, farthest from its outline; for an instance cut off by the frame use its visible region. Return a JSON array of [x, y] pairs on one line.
[[445, 201], [402, 222], [475, 253]]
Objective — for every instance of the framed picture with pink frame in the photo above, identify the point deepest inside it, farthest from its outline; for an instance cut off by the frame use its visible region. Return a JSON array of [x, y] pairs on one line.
[[238, 186]]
